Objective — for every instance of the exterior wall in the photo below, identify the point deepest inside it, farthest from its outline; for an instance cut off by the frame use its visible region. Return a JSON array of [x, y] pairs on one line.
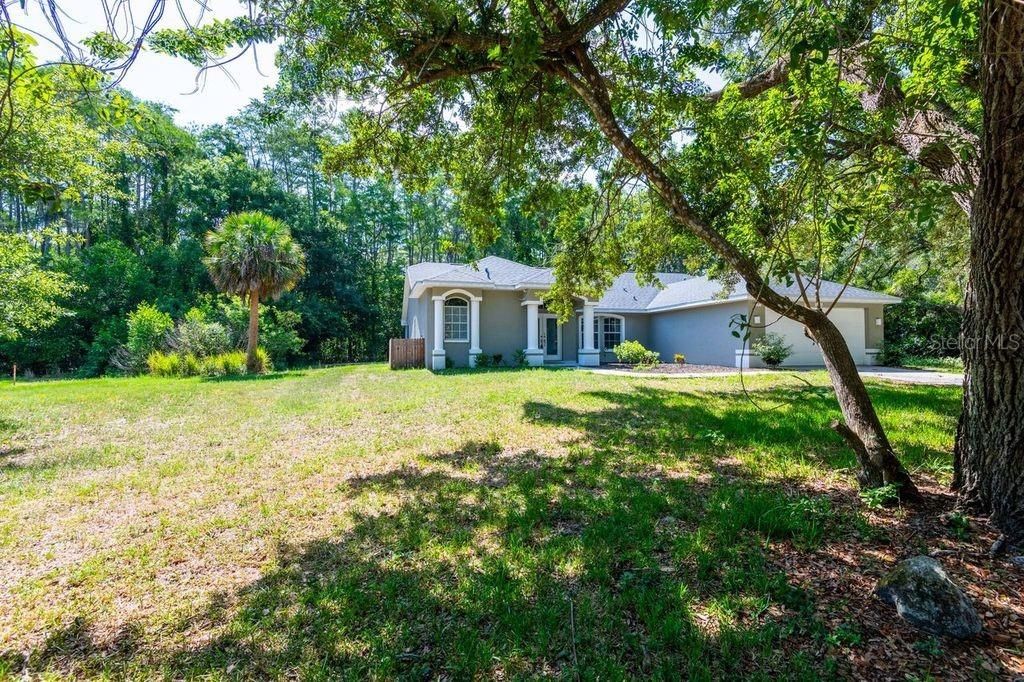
[[502, 323], [702, 334], [570, 338], [873, 333], [457, 351]]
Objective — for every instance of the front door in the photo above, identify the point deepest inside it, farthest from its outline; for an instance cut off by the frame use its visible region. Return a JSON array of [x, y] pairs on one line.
[[551, 337]]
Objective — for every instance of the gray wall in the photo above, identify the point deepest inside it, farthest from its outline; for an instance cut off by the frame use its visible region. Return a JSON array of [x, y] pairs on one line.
[[702, 334], [502, 323]]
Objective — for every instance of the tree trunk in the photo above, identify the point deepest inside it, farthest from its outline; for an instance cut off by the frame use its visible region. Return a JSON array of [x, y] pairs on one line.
[[252, 363], [989, 454], [862, 431]]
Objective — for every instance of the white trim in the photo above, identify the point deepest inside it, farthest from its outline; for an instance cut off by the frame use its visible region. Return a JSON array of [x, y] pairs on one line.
[[445, 306], [743, 357]]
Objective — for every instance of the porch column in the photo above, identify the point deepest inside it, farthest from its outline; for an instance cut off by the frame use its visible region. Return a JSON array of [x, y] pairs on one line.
[[534, 354], [588, 355], [474, 330], [437, 356]]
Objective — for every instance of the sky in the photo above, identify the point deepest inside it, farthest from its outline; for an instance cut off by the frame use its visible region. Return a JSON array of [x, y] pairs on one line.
[[158, 78]]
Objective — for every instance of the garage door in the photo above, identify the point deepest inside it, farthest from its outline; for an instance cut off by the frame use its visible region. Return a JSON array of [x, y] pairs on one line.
[[850, 322]]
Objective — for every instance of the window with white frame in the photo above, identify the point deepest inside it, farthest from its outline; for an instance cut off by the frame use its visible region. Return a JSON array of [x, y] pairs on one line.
[[456, 319], [607, 332], [611, 332]]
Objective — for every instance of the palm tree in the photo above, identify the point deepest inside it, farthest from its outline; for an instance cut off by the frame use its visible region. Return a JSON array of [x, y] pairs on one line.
[[254, 256]]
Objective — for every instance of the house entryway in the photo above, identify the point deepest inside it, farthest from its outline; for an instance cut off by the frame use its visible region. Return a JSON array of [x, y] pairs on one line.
[[551, 338]]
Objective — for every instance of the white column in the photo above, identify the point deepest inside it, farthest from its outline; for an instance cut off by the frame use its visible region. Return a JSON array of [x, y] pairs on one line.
[[474, 330], [534, 355], [437, 357], [588, 326], [532, 325], [588, 355]]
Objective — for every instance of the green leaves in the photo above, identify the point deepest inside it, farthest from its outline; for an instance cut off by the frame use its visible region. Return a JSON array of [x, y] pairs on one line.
[[252, 253]]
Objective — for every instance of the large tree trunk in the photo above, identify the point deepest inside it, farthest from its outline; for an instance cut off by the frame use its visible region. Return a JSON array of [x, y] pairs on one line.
[[252, 363], [989, 454]]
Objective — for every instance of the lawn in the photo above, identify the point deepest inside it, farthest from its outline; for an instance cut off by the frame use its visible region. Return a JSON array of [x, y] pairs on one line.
[[357, 522]]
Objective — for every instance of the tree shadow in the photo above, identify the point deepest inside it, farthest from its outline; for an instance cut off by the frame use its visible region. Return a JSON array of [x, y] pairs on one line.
[[486, 562]]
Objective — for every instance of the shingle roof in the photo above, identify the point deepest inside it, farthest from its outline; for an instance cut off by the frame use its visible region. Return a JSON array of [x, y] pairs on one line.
[[625, 293]]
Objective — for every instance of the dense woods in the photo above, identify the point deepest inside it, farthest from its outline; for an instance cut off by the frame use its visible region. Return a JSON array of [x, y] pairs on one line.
[[111, 194]]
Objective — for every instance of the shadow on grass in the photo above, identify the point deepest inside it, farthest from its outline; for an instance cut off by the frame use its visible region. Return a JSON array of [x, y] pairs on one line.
[[485, 562]]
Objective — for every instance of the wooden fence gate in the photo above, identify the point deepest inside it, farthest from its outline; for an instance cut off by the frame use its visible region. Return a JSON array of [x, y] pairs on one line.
[[405, 353]]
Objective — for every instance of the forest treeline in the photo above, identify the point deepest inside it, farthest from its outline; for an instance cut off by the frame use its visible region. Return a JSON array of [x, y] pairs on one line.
[[115, 196]]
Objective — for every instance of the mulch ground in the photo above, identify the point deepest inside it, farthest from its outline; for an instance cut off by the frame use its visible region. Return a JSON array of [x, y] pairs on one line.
[[671, 368], [842, 577]]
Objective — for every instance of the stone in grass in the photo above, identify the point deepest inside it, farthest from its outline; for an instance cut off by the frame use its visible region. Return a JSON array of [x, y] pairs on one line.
[[925, 597]]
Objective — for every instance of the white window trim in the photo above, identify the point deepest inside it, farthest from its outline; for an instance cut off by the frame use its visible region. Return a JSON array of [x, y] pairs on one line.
[[444, 320], [599, 331]]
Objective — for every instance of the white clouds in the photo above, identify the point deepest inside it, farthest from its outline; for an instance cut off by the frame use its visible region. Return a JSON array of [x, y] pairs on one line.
[[158, 78]]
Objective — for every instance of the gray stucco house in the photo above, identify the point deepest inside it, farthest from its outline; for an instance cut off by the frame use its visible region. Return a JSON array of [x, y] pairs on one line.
[[494, 306]]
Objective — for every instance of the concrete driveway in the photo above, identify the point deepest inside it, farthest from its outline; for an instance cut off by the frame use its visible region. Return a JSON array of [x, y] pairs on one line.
[[914, 376]]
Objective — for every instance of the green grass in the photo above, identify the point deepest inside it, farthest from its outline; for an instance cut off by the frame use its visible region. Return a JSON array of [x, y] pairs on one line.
[[939, 364], [355, 522]]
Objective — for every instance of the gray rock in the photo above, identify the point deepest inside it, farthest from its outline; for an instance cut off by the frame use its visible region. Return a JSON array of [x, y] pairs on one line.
[[1018, 561], [925, 597]]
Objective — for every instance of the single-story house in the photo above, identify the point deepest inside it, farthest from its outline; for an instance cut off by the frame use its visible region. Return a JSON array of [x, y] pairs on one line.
[[494, 306]]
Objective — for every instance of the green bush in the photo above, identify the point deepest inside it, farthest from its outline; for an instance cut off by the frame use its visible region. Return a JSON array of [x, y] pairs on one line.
[[519, 358], [199, 336], [484, 360], [772, 348], [263, 362], [162, 364], [147, 331], [634, 353], [679, 358], [189, 365]]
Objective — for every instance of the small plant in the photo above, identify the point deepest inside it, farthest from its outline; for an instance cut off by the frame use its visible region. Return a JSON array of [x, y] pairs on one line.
[[634, 353], [772, 348], [679, 358], [930, 646], [497, 360], [712, 436], [883, 496], [844, 635], [483, 360], [448, 364], [958, 523], [519, 358]]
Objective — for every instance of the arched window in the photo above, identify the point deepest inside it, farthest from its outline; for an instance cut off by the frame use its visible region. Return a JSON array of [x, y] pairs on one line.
[[456, 319]]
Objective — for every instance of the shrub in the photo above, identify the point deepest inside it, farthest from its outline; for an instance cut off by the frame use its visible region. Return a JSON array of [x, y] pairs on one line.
[[189, 365], [519, 358], [484, 360], [890, 354], [497, 360], [679, 358], [162, 364], [199, 336], [772, 348], [332, 351], [634, 353], [147, 331]]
